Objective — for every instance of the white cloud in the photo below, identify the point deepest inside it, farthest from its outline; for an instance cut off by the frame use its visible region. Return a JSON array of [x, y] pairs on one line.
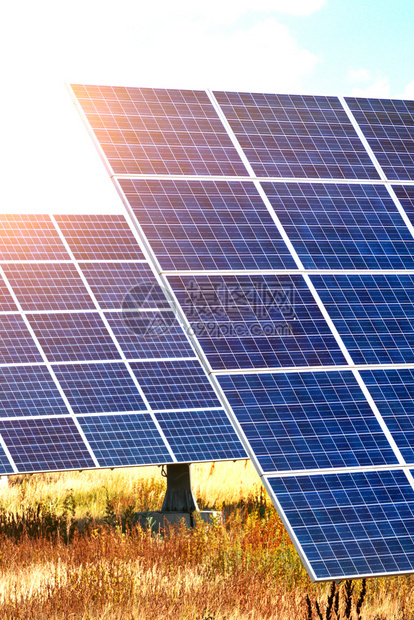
[[409, 91], [368, 85], [377, 88], [50, 162]]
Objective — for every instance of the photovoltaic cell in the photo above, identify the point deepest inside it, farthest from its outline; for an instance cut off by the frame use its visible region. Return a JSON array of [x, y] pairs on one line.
[[122, 440], [157, 131], [175, 385], [99, 388], [30, 237], [343, 226], [393, 393], [388, 125], [29, 391], [6, 300], [99, 237], [45, 444], [124, 285], [200, 435], [5, 466], [296, 136], [207, 225], [149, 334], [351, 524], [405, 194], [48, 287], [307, 420], [374, 314], [256, 321], [16, 343], [73, 337]]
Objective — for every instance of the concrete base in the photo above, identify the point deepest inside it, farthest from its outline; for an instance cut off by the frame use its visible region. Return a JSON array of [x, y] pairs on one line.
[[158, 519]]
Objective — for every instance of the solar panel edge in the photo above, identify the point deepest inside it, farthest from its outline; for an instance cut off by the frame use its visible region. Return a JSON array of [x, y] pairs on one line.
[[395, 504]]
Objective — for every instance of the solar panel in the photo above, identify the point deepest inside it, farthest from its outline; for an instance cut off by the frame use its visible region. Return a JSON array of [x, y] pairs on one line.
[[175, 384], [195, 434], [374, 314], [29, 391], [284, 255], [343, 226], [256, 321], [30, 237], [388, 125], [99, 388], [147, 131], [45, 444], [99, 237], [48, 287], [149, 335], [310, 420], [207, 225], [124, 286], [69, 323], [296, 136], [120, 440], [351, 523]]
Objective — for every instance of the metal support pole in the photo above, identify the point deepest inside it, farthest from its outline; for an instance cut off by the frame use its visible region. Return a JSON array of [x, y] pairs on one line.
[[179, 495]]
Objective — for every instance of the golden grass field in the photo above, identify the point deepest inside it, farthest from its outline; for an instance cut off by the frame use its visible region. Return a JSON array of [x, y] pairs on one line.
[[107, 569]]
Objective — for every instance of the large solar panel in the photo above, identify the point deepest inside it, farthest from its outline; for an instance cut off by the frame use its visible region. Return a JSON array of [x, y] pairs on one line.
[[279, 320], [78, 303]]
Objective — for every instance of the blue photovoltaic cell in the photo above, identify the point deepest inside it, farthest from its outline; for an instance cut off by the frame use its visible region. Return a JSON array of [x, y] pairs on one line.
[[149, 334], [99, 388], [296, 136], [207, 225], [374, 315], [122, 440], [157, 131], [343, 226], [124, 285], [5, 467], [70, 337], [30, 237], [351, 524], [388, 126], [45, 444], [393, 393], [99, 237], [256, 321], [307, 420], [405, 194], [29, 390], [6, 300], [16, 343], [175, 385], [48, 287], [200, 435]]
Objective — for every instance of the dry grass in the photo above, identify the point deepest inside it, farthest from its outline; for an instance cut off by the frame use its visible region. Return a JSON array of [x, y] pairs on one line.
[[245, 568]]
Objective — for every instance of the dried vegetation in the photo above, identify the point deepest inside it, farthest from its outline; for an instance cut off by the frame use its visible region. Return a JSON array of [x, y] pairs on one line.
[[69, 550]]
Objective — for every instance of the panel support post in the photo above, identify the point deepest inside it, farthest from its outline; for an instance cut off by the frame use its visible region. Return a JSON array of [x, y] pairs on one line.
[[179, 495]]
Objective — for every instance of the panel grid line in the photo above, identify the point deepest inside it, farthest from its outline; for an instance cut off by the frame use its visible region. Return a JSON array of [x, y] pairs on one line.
[[115, 341], [52, 372], [314, 291]]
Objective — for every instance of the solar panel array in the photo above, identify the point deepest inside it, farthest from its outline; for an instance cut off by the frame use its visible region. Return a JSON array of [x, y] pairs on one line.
[[89, 354], [282, 228]]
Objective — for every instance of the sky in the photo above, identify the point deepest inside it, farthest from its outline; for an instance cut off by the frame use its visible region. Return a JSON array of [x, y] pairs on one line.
[[48, 162]]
